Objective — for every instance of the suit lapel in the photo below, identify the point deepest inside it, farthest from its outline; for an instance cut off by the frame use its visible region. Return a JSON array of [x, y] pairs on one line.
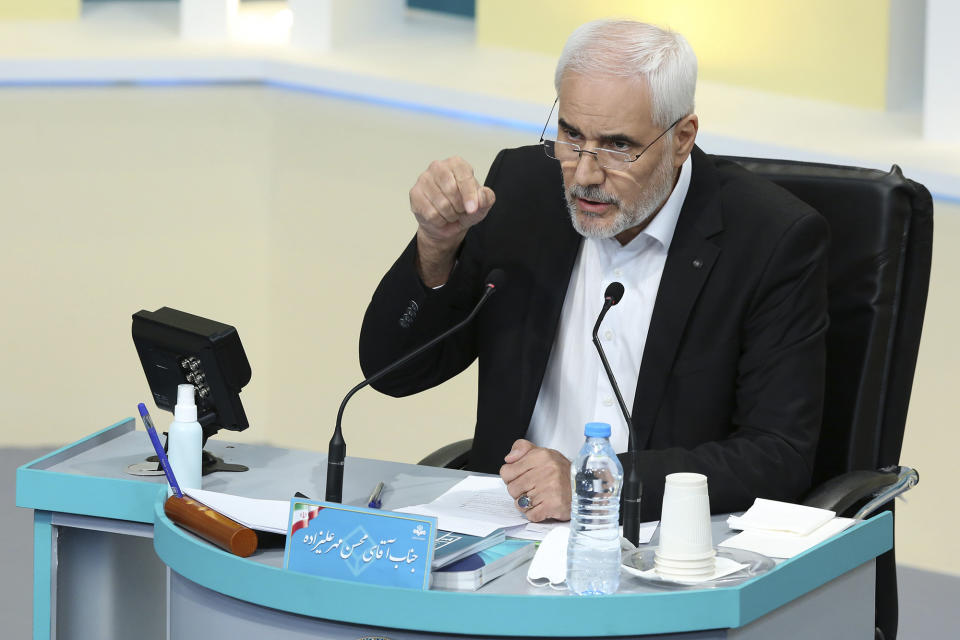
[[552, 268], [689, 262]]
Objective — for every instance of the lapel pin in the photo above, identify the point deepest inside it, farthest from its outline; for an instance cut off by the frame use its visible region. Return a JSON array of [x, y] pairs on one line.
[[697, 263]]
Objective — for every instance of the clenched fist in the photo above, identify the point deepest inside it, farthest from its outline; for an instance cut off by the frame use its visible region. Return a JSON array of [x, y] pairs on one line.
[[446, 200]]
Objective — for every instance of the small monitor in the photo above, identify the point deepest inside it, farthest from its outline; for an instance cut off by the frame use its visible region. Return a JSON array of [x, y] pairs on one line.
[[180, 348]]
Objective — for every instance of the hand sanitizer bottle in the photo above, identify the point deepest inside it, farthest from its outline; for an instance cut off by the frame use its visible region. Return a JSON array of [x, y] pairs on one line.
[[185, 441]]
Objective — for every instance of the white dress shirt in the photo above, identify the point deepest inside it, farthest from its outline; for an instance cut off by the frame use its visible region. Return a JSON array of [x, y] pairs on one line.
[[575, 389]]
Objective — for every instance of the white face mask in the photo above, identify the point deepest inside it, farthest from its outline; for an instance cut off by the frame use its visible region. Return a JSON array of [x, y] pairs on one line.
[[549, 565]]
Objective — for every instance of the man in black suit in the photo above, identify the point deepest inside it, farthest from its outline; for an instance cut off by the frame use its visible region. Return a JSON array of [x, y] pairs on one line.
[[721, 354]]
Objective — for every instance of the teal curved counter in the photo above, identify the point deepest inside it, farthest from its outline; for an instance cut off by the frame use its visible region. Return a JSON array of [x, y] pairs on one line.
[[828, 589]]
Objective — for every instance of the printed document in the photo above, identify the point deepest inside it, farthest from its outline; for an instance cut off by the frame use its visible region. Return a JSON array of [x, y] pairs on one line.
[[477, 505]]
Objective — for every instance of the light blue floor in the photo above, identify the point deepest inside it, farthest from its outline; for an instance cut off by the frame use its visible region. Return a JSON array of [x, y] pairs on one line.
[[927, 599]]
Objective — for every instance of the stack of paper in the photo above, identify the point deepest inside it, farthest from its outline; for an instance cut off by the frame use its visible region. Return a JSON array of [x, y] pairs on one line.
[[783, 530], [477, 505], [262, 515]]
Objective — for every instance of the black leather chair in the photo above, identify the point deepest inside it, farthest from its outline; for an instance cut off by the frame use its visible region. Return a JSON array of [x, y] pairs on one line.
[[879, 264], [879, 271]]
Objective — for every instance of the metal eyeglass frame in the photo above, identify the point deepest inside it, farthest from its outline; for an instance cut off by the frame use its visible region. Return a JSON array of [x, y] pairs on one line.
[[627, 159]]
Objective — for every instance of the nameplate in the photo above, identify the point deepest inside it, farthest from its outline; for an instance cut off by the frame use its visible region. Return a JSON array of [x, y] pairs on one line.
[[359, 544]]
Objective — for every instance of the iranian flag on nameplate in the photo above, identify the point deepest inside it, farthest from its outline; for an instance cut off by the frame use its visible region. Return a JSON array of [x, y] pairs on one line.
[[359, 544]]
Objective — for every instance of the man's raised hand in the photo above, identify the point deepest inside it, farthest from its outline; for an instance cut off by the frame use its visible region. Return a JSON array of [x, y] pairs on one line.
[[446, 201]]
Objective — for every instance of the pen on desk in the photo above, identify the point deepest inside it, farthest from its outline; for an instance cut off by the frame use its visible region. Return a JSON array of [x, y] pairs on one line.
[[374, 502], [161, 454]]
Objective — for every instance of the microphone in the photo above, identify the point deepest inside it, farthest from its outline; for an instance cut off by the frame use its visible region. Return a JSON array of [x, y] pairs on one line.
[[611, 297], [338, 448], [614, 292], [632, 488]]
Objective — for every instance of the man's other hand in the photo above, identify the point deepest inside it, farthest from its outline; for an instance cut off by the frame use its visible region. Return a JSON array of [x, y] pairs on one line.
[[446, 201], [542, 474]]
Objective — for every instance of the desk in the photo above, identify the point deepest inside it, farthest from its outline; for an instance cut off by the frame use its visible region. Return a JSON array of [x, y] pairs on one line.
[[108, 563]]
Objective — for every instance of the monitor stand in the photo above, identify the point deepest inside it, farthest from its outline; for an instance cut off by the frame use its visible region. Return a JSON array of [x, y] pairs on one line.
[[211, 464]]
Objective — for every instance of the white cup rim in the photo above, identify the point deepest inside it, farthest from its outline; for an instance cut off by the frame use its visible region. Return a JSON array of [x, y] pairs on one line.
[[681, 562], [699, 571], [686, 480], [685, 556], [669, 575]]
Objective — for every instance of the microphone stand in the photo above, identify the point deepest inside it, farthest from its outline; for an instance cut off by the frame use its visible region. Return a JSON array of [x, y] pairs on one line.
[[337, 451], [632, 487]]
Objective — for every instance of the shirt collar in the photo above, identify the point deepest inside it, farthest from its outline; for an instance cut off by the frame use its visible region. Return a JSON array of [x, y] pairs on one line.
[[662, 226]]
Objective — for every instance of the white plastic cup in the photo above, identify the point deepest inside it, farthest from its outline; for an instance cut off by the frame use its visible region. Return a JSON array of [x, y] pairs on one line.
[[683, 565], [685, 574], [685, 531]]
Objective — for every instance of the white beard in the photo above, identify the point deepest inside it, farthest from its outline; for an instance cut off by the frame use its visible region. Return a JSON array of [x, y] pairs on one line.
[[647, 204]]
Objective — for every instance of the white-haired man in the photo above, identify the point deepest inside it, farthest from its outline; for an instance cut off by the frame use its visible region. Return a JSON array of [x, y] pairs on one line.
[[718, 343]]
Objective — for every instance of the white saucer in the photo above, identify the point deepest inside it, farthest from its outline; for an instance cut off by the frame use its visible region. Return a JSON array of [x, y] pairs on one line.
[[640, 562]]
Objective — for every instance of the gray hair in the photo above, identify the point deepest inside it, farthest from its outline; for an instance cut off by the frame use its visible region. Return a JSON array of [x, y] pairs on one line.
[[628, 49]]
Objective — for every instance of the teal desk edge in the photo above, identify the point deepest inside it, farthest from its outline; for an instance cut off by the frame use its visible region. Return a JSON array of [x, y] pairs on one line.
[[555, 615], [90, 495], [815, 567], [436, 611], [558, 614]]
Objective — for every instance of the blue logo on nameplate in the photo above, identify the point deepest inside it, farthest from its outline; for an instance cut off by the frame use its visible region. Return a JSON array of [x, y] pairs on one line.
[[363, 545]]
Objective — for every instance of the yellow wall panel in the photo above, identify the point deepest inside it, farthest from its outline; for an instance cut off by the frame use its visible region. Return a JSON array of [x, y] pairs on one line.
[[39, 9], [820, 49]]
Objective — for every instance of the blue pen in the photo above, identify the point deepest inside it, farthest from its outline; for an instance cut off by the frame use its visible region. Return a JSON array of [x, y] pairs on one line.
[[161, 454], [374, 501]]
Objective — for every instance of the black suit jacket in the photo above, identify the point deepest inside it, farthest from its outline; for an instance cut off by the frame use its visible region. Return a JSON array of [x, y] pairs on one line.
[[731, 383]]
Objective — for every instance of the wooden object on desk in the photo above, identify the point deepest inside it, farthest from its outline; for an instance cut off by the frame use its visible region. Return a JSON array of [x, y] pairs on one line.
[[211, 525]]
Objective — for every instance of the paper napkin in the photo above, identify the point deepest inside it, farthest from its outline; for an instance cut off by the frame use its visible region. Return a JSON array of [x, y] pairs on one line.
[[771, 515], [780, 544], [783, 530]]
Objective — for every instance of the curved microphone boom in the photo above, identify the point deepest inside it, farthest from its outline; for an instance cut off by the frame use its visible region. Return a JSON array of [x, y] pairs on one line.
[[632, 488], [610, 298], [337, 451]]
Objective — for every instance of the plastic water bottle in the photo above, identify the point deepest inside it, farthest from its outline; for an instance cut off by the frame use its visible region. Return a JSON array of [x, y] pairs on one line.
[[593, 551]]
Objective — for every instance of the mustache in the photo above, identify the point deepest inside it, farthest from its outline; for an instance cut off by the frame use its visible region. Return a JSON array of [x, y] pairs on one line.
[[593, 193]]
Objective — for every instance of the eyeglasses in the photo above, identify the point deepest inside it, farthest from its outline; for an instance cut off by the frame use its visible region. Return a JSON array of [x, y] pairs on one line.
[[606, 158]]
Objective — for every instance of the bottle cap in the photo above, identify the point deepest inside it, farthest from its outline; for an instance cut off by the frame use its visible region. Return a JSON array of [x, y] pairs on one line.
[[597, 430], [186, 409]]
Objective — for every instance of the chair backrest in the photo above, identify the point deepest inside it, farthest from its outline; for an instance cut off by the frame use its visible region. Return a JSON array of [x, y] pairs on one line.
[[879, 271]]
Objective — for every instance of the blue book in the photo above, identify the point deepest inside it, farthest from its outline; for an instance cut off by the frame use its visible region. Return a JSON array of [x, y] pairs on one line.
[[474, 571], [450, 546]]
